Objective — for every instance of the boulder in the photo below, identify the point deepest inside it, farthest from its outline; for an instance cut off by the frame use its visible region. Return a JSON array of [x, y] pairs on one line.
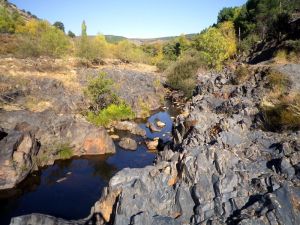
[[55, 130], [128, 144], [160, 124], [129, 126], [17, 157], [152, 145]]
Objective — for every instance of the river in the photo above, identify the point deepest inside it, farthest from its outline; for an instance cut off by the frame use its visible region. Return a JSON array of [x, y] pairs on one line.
[[69, 188]]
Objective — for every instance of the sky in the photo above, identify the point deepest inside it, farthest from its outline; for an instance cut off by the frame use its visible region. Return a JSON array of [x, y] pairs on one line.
[[130, 18]]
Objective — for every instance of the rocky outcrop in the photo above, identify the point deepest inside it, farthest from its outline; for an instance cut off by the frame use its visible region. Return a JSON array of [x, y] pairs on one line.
[[54, 130], [142, 91], [17, 153], [223, 166]]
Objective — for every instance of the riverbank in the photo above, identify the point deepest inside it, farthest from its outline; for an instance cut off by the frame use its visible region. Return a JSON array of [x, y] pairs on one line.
[[59, 189], [42, 107]]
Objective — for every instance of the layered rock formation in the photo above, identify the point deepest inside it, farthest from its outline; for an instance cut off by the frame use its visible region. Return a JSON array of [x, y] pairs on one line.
[[17, 153], [223, 166]]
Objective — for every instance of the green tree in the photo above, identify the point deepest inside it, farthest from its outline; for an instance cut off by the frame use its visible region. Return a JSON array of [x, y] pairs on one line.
[[214, 47], [9, 21], [59, 25], [228, 14], [83, 29], [71, 34]]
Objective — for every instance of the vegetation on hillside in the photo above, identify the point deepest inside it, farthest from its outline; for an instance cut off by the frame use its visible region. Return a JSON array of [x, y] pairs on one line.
[[237, 31], [106, 106]]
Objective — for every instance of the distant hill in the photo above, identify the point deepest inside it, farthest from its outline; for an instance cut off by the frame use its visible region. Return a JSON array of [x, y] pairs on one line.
[[139, 41], [11, 8], [114, 39]]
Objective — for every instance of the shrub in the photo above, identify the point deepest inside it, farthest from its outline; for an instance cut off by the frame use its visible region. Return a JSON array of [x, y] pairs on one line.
[[99, 90], [163, 65], [248, 43], [281, 56], [182, 74], [129, 52], [65, 151], [279, 82], [113, 112]]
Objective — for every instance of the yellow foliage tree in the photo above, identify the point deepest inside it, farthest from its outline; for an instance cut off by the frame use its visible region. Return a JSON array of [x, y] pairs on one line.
[[41, 38], [215, 45], [228, 31]]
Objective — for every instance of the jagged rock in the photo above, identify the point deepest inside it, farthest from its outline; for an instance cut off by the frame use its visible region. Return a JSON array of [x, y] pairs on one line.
[[41, 219], [128, 143], [17, 157]]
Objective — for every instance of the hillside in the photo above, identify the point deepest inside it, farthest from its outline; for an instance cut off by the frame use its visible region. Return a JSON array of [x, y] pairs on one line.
[[12, 8]]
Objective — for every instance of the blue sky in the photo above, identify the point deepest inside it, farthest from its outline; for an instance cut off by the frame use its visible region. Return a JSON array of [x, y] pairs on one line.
[[130, 18]]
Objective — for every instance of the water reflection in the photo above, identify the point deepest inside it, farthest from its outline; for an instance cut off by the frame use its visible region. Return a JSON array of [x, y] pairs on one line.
[[69, 188]]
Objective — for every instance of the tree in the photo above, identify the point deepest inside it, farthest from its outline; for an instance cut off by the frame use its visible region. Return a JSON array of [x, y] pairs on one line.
[[214, 46], [9, 22], [40, 38], [228, 14], [71, 34], [83, 29], [60, 26]]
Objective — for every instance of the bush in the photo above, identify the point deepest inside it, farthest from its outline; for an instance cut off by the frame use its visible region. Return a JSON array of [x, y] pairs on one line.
[[113, 112], [99, 90], [40, 38], [163, 65], [248, 43], [182, 74], [129, 52], [279, 82], [65, 152]]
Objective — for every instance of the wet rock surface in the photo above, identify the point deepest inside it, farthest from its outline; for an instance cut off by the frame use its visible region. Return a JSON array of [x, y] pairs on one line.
[[222, 167]]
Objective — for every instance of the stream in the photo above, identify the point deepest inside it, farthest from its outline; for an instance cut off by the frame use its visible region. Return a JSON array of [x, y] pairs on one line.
[[69, 188]]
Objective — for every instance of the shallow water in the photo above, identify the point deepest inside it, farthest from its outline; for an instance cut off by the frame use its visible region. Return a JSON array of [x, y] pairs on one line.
[[69, 188]]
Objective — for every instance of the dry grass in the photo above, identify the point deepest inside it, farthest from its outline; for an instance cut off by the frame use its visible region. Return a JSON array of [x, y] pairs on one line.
[[37, 105], [242, 73], [280, 108], [24, 69], [283, 57]]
